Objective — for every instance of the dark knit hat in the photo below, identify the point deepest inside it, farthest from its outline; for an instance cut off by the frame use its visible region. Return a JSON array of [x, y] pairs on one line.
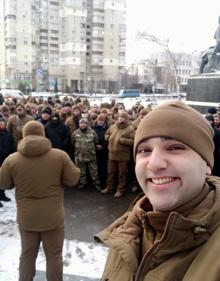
[[212, 110], [33, 128], [47, 110], [181, 122]]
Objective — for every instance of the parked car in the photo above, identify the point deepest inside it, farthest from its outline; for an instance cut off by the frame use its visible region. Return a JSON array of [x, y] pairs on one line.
[[129, 93], [10, 94]]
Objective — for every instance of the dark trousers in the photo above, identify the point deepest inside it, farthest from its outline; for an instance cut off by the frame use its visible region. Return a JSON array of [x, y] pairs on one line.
[[52, 242], [117, 171]]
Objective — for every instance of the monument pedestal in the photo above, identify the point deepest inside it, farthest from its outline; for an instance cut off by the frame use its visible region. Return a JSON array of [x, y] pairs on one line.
[[204, 88]]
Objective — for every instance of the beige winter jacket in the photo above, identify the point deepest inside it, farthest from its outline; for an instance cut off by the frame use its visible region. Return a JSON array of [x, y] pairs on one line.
[[187, 249], [38, 173], [120, 140]]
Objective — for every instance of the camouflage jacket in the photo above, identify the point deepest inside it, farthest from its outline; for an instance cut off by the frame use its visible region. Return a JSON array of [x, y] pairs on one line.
[[84, 143]]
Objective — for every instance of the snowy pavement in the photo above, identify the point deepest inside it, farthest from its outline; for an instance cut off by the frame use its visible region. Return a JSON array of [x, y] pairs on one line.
[[83, 261]]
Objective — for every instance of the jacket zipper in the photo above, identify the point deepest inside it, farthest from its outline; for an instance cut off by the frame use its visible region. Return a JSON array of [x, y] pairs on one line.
[[148, 255]]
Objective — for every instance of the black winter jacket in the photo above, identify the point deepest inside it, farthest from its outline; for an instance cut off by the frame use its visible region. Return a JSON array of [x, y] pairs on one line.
[[7, 145]]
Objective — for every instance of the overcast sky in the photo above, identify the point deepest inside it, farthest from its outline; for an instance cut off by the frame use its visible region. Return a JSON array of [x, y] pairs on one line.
[[189, 25]]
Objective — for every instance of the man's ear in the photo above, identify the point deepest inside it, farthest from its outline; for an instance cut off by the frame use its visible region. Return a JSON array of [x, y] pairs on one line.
[[208, 171]]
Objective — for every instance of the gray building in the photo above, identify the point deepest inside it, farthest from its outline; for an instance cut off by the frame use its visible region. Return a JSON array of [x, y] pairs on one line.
[[68, 45]]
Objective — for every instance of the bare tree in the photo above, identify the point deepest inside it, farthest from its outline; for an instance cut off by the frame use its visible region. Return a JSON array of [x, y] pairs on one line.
[[165, 47]]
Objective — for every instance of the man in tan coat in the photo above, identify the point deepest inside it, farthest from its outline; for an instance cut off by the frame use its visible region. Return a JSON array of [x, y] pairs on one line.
[[39, 173], [120, 137], [172, 231]]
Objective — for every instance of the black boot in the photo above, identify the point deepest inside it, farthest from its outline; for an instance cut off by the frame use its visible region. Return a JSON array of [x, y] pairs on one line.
[[3, 197], [1, 205]]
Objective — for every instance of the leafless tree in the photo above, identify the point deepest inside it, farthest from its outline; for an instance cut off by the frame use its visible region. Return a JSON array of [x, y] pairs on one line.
[[171, 70]]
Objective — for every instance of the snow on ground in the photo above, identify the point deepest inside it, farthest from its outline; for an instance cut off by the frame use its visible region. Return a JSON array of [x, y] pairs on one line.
[[80, 258]]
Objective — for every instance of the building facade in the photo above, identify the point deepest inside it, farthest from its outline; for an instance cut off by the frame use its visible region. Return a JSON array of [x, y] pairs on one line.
[[65, 45], [163, 72]]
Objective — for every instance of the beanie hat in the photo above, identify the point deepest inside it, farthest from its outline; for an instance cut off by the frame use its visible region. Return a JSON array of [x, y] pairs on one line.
[[83, 120], [47, 110], [33, 128], [181, 122], [101, 117], [212, 110], [123, 114]]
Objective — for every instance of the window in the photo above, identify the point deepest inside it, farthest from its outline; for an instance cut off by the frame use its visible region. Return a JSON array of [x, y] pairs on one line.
[[97, 24], [97, 53], [98, 39], [54, 31], [44, 30], [54, 38], [54, 45], [54, 3]]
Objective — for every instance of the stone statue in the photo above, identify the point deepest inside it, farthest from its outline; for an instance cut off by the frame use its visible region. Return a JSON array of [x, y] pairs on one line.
[[211, 58]]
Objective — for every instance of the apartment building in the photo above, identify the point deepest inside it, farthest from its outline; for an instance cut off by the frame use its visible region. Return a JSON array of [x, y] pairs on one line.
[[75, 45], [15, 42]]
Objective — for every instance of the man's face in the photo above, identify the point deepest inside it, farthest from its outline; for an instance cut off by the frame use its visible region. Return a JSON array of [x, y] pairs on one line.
[[58, 108], [169, 172], [33, 110], [121, 120], [6, 113], [63, 112], [100, 123], [216, 119], [83, 125], [45, 116], [76, 112], [20, 111], [68, 110], [2, 125]]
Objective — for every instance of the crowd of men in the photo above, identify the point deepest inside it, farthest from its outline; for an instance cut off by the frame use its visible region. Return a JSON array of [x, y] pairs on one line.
[[170, 232], [98, 139]]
